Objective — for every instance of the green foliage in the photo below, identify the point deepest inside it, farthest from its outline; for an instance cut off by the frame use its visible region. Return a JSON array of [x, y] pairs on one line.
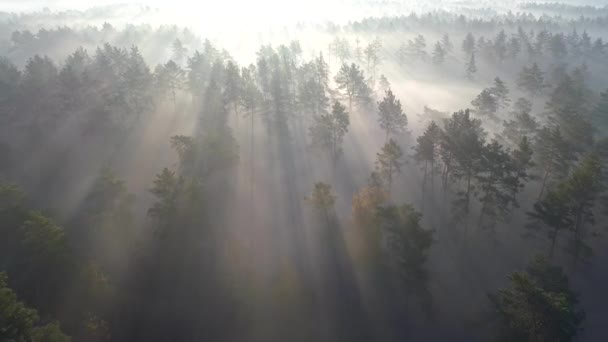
[[407, 247], [389, 162], [323, 200], [49, 333], [468, 44], [439, 54], [531, 80], [471, 67], [351, 82], [16, 320], [390, 115], [599, 114], [498, 183], [169, 79], [461, 151], [538, 306], [553, 155], [553, 213], [523, 125], [486, 103], [328, 130]]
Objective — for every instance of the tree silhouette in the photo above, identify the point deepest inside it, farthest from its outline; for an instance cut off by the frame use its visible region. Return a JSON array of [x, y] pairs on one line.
[[538, 306], [388, 162], [390, 115], [351, 82], [328, 130]]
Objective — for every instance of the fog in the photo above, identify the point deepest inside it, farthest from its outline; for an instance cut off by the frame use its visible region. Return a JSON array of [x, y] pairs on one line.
[[306, 171]]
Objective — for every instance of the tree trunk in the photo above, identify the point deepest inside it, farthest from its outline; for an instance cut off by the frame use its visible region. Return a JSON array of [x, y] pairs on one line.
[[252, 161], [468, 194], [553, 241], [543, 184], [481, 214], [424, 185]]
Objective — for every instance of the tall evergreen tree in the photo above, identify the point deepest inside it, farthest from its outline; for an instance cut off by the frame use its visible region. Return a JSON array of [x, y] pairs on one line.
[[471, 67], [391, 116], [531, 80], [328, 130], [389, 162], [351, 82], [538, 306]]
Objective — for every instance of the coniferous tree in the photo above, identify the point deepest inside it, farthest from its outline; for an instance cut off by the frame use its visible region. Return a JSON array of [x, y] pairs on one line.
[[351, 82], [462, 150], [568, 106], [328, 130], [468, 44], [179, 51], [553, 156], [372, 56], [486, 103], [407, 248], [389, 162], [582, 188], [384, 84], [446, 43], [17, 321], [170, 78], [552, 213], [498, 183], [531, 80], [538, 306], [523, 163], [426, 152], [232, 86], [600, 112], [390, 115], [523, 125], [471, 67], [322, 200], [438, 54], [500, 90], [500, 45], [138, 83]]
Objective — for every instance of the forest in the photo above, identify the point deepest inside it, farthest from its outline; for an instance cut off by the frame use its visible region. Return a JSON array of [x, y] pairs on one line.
[[397, 174]]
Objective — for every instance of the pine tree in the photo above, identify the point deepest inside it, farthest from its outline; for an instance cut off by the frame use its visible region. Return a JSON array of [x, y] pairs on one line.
[[523, 125], [468, 44], [438, 54], [390, 115], [538, 306], [531, 80], [389, 162], [322, 200], [407, 248], [486, 103], [500, 45], [462, 151], [446, 43], [351, 82], [471, 68], [328, 130], [553, 213], [500, 90], [179, 51], [426, 152], [232, 86], [582, 188], [599, 114], [553, 156], [170, 78], [498, 183]]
